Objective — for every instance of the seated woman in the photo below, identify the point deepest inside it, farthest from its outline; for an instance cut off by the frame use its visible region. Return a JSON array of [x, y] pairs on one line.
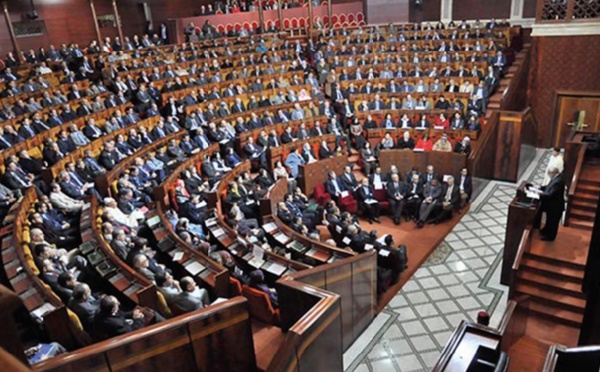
[[257, 281], [356, 134], [441, 122], [424, 144], [443, 144], [405, 122], [387, 142], [281, 172]]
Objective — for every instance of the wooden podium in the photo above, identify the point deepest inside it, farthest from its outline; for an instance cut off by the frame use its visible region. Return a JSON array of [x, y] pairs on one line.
[[521, 213]]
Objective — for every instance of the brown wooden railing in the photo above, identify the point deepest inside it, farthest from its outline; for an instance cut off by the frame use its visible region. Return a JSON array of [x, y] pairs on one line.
[[524, 247], [574, 181], [216, 338], [482, 157]]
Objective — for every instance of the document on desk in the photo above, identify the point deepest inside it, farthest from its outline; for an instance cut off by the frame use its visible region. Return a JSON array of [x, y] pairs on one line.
[[532, 194], [269, 227], [195, 267], [371, 201], [276, 269], [177, 256]]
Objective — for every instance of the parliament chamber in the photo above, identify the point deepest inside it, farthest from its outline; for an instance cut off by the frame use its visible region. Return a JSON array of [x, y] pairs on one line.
[[295, 185]]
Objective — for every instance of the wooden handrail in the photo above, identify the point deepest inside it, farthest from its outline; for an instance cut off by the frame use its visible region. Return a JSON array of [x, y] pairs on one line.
[[574, 181], [484, 143], [577, 171], [524, 246], [187, 320]]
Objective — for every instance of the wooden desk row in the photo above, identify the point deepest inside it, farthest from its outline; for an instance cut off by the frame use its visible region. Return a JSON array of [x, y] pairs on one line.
[[272, 263], [83, 85], [111, 268], [36, 142], [215, 338], [39, 299], [96, 146], [212, 275], [297, 244], [44, 112], [376, 135], [246, 114], [431, 98]]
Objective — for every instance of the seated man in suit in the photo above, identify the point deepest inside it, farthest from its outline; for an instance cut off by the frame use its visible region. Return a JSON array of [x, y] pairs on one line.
[[349, 180], [413, 196], [465, 185], [84, 305], [255, 152], [191, 296], [111, 321], [366, 195], [396, 192], [334, 186], [450, 201], [431, 200]]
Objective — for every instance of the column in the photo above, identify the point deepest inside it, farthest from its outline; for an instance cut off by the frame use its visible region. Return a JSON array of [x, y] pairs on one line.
[[329, 13], [446, 11], [96, 26], [117, 19], [261, 20], [310, 18], [280, 15], [11, 31]]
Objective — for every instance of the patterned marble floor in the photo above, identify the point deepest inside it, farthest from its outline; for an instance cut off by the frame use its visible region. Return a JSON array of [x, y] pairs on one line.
[[460, 278]]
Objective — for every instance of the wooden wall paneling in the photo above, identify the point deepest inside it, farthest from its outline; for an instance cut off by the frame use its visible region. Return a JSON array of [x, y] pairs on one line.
[[293, 303], [232, 336], [561, 63], [364, 292], [310, 175], [429, 11], [339, 280], [386, 11], [477, 9], [529, 8], [567, 104], [144, 355], [320, 348], [508, 146]]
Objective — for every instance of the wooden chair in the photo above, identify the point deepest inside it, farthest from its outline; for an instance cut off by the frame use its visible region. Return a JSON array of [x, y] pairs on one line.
[[260, 306]]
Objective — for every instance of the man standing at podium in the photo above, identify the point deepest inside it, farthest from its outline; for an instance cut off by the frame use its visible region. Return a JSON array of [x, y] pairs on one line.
[[552, 199]]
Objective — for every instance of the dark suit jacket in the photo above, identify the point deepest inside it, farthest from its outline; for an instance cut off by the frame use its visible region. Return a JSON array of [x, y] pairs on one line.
[[116, 325], [331, 188], [31, 165], [553, 195], [349, 184]]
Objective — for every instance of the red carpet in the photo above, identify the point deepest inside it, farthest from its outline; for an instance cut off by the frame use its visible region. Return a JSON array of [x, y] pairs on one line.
[[419, 242]]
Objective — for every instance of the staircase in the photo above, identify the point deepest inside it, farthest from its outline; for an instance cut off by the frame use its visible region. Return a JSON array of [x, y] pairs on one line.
[[554, 287], [528, 353], [582, 209]]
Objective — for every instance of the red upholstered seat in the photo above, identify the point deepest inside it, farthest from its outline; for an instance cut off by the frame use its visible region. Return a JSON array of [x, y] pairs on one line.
[[235, 287], [381, 197], [260, 306], [348, 204], [321, 195]]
